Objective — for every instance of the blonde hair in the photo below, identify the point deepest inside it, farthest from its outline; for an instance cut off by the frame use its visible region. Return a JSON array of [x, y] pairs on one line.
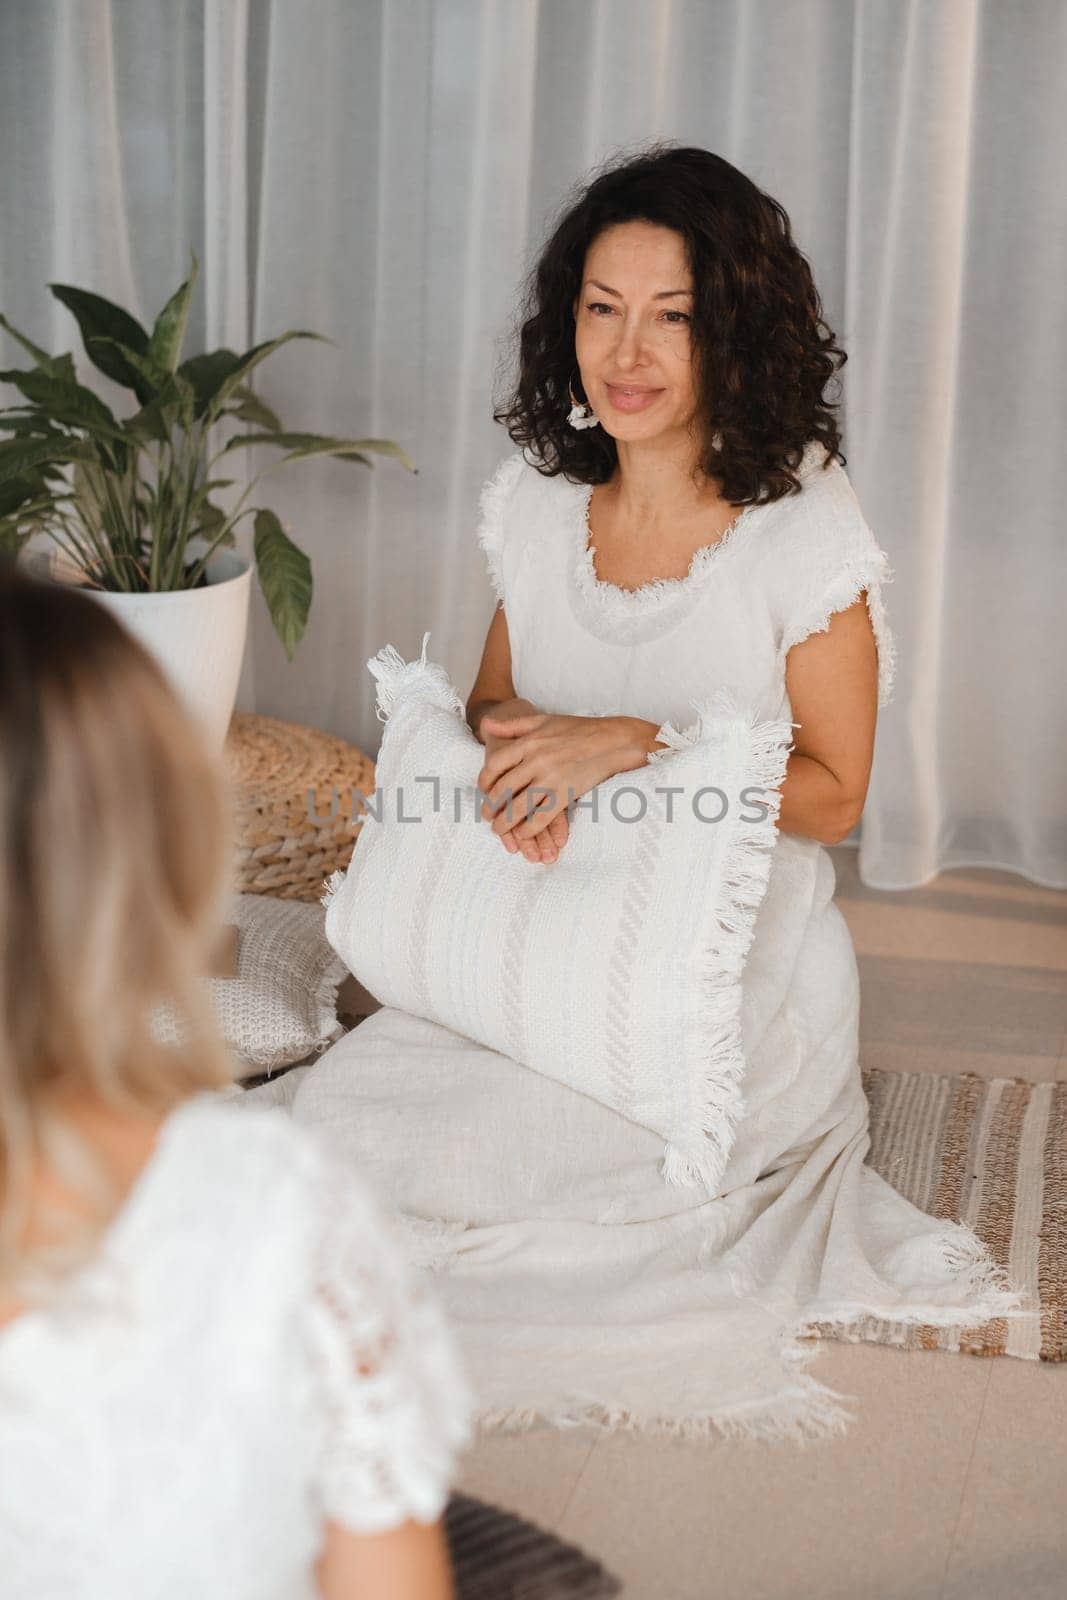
[[114, 849]]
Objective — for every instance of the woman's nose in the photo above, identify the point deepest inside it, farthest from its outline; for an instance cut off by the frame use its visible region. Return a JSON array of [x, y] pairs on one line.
[[630, 340]]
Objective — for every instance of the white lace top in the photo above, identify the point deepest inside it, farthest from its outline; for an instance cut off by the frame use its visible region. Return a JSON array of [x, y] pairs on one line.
[[248, 1355]]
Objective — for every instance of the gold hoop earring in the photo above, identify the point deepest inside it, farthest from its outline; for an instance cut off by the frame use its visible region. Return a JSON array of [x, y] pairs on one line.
[[581, 414]]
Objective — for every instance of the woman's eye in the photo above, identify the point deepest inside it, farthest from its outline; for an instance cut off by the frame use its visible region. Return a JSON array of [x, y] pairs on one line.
[[676, 319]]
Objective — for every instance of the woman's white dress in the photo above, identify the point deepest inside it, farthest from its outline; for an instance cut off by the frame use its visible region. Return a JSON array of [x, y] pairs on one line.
[[583, 1287], [247, 1355]]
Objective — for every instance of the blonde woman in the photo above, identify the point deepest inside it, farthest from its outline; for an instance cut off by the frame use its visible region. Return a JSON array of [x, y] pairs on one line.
[[217, 1374]]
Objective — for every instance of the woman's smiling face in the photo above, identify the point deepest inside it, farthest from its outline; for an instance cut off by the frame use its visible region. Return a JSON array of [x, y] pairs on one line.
[[632, 325]]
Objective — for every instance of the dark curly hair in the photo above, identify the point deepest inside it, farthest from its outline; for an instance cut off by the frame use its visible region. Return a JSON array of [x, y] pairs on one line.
[[763, 353]]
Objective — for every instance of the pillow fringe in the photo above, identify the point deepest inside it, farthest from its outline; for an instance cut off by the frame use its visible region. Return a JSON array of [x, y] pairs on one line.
[[743, 886], [331, 887], [397, 677]]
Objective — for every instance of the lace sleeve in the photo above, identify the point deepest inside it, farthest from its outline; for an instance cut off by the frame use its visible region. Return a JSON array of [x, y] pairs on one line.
[[397, 1403], [492, 518]]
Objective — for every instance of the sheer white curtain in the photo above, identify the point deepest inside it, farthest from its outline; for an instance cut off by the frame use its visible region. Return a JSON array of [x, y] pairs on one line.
[[384, 171]]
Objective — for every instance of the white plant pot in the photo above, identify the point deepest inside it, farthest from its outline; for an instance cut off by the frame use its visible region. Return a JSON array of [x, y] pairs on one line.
[[196, 635]]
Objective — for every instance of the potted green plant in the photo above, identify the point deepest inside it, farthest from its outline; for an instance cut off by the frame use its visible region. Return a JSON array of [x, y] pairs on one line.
[[132, 503]]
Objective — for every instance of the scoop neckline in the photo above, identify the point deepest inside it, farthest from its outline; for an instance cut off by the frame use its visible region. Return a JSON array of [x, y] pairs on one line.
[[656, 588], [657, 592]]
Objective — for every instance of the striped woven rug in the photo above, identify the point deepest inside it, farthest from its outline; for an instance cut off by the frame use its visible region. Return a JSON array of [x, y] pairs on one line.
[[991, 1152], [497, 1555]]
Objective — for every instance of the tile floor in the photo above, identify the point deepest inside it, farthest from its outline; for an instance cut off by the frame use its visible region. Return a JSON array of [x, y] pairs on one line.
[[952, 1481]]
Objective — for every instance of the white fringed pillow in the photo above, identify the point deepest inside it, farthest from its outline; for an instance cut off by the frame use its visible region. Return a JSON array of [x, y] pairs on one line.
[[281, 1005], [615, 969]]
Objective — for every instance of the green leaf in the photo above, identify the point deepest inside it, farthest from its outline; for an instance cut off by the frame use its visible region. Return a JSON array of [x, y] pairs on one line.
[[206, 374], [29, 424], [202, 498], [154, 375], [78, 407], [386, 447], [16, 491], [303, 444], [252, 359], [285, 578], [55, 366], [253, 409], [101, 319], [209, 522], [212, 483], [12, 536], [16, 458], [168, 335], [150, 421]]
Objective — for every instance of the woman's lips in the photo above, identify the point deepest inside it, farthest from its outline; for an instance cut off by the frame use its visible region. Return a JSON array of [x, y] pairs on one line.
[[631, 399]]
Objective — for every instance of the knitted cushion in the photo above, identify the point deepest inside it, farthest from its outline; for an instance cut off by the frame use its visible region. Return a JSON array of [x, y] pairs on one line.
[[615, 969], [281, 1006]]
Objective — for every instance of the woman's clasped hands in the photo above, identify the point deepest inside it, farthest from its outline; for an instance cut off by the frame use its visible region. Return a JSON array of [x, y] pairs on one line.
[[529, 752]]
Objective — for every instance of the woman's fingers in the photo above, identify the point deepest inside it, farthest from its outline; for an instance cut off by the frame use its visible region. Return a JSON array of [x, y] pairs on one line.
[[506, 779], [555, 837], [533, 846], [506, 830], [509, 726], [545, 846]]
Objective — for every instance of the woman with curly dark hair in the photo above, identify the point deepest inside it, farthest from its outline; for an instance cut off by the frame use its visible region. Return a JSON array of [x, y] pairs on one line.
[[678, 515], [676, 526]]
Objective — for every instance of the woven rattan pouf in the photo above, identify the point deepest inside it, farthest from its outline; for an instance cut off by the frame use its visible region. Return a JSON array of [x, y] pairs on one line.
[[288, 842]]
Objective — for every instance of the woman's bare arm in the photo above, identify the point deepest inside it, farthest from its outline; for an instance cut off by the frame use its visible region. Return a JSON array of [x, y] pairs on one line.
[[832, 679], [494, 691], [406, 1563], [493, 685]]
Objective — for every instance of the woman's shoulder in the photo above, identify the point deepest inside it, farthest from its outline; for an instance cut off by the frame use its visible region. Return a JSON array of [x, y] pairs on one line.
[[224, 1193], [818, 555], [257, 1148], [240, 1143], [226, 1175], [248, 1189], [825, 511], [516, 491], [210, 1124]]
